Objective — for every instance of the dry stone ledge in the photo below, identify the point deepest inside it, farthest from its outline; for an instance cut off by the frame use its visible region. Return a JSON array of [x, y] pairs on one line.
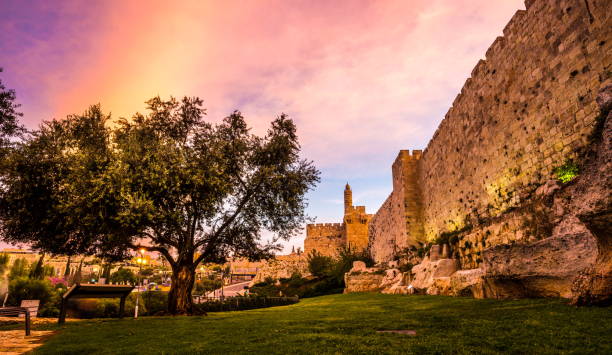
[[426, 272], [462, 282]]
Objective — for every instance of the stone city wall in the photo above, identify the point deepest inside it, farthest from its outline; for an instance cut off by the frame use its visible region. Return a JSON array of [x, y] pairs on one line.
[[325, 238], [527, 109], [398, 222]]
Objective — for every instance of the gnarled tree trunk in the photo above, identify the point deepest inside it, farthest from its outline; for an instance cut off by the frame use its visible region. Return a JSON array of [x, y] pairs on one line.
[[179, 298]]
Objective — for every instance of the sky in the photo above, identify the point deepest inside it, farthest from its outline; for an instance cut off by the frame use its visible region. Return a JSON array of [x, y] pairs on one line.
[[361, 79]]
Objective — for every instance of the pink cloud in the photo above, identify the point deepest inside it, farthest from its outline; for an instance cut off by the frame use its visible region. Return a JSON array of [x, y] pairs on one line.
[[363, 79]]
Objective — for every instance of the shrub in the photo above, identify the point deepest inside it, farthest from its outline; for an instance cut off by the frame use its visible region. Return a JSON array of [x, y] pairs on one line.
[[23, 288], [19, 269], [567, 172], [123, 275], [206, 285], [4, 259], [319, 265], [344, 262], [150, 303]]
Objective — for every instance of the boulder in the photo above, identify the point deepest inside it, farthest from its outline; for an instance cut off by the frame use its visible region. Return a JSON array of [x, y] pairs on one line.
[[440, 286], [463, 282], [358, 266], [426, 272], [546, 268]]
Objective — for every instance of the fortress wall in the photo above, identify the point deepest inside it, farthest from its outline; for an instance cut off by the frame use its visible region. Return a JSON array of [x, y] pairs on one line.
[[397, 224], [325, 238], [356, 222], [528, 108]]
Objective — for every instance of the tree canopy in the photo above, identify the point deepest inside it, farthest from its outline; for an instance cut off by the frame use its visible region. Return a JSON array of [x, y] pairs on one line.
[[168, 180]]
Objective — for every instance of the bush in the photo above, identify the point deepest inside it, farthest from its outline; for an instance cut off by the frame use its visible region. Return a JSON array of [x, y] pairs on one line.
[[23, 288], [567, 172], [242, 303], [319, 265], [4, 259], [19, 269], [344, 262], [50, 297], [151, 303], [206, 285], [123, 275]]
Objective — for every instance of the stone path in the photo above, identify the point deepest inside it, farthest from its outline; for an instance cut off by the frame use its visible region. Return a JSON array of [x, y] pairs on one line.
[[15, 342]]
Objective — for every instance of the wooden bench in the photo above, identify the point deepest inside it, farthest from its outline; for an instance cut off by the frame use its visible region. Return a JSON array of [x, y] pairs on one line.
[[94, 291], [16, 311]]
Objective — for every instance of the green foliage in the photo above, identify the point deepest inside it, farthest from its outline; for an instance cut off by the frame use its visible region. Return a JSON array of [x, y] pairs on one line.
[[206, 285], [19, 269], [567, 172], [328, 276], [123, 275], [83, 186], [344, 262], [9, 118], [23, 288], [319, 265], [37, 269], [4, 260], [243, 303]]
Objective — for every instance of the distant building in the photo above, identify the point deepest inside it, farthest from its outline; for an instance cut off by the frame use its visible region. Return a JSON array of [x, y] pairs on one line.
[[327, 238]]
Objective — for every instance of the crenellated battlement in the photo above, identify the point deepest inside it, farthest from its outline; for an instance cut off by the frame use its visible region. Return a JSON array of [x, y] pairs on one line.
[[320, 225]]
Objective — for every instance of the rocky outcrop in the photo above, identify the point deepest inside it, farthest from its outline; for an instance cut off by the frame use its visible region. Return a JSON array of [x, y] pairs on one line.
[[426, 273], [544, 268], [466, 283], [591, 204]]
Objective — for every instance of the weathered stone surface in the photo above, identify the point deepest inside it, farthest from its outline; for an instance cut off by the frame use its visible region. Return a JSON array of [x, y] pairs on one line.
[[462, 282], [283, 266], [362, 282], [440, 286], [426, 272], [527, 109], [358, 266], [576, 261], [592, 205], [488, 182], [544, 268], [398, 223]]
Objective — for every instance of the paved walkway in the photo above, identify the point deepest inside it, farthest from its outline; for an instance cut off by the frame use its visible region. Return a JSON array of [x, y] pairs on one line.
[[15, 342], [230, 290]]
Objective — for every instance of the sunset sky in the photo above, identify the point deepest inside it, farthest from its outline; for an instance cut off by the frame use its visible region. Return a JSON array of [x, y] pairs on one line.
[[362, 79]]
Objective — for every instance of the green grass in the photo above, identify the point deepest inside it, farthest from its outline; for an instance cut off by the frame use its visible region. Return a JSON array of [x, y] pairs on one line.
[[348, 324]]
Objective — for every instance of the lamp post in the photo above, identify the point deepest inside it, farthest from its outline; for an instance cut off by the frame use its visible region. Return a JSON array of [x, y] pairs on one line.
[[141, 261]]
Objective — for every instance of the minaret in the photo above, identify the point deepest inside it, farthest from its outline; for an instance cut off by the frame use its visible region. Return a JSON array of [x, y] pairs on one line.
[[348, 198]]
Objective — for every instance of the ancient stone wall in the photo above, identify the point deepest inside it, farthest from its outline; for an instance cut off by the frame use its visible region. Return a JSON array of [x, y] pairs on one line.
[[527, 109], [356, 222], [328, 238], [398, 222], [325, 238]]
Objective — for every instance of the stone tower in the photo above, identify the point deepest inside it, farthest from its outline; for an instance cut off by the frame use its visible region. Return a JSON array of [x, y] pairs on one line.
[[328, 238], [348, 198]]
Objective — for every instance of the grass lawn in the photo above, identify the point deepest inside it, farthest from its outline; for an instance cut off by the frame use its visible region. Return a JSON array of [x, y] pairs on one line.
[[348, 324]]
